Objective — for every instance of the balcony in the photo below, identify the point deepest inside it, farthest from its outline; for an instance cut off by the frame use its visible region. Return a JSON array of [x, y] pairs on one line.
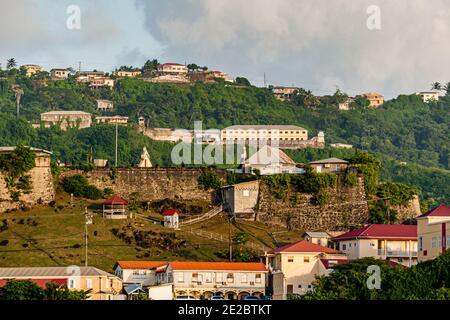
[[397, 253]]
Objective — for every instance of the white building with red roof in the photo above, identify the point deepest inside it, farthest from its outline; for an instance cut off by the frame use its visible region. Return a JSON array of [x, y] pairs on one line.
[[392, 242], [172, 68], [171, 219], [433, 230], [232, 280], [293, 267]]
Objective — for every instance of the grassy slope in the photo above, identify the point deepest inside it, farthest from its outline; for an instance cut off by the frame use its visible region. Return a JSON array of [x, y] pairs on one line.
[[51, 242]]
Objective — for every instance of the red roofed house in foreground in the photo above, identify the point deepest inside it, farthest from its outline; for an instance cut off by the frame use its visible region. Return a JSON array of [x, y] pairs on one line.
[[231, 280], [393, 242], [294, 266], [433, 229]]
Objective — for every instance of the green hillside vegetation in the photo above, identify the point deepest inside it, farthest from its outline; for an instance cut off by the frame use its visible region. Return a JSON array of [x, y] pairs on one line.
[[54, 236], [403, 130], [428, 280]]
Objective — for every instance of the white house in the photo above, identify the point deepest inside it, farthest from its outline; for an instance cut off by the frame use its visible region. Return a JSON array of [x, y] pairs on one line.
[[428, 96], [232, 280], [396, 243], [269, 160], [171, 219], [293, 267]]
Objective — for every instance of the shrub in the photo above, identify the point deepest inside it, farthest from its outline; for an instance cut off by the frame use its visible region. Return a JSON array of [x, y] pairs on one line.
[[351, 179], [320, 199], [80, 187]]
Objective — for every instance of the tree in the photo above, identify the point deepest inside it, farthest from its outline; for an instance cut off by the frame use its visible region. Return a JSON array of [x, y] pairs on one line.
[[21, 290], [11, 63], [436, 86], [193, 67], [53, 291], [243, 81], [151, 65]]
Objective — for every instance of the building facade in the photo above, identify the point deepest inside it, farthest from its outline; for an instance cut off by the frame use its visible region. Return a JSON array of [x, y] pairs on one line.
[[332, 165], [284, 93], [67, 119], [263, 133], [433, 230], [232, 280], [103, 285], [59, 74], [172, 68], [428, 96], [101, 82], [294, 267], [127, 74], [32, 69], [120, 120], [105, 105], [241, 199], [375, 99], [396, 243]]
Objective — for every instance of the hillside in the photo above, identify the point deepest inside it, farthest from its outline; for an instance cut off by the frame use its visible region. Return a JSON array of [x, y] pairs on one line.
[[404, 129], [49, 236]]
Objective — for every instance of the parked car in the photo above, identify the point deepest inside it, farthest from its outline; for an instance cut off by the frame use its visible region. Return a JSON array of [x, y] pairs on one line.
[[217, 298], [185, 297], [249, 298], [266, 298]]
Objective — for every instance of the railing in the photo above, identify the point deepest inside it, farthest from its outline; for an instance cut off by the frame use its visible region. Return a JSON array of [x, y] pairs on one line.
[[221, 238], [215, 211], [396, 253]]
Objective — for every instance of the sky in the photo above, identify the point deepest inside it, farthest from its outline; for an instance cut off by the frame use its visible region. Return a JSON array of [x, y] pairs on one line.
[[319, 45]]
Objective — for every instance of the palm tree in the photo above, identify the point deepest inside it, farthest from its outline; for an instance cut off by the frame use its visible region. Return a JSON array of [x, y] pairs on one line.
[[436, 86], [11, 63]]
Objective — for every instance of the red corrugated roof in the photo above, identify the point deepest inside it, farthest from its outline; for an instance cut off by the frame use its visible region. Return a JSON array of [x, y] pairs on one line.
[[381, 231], [303, 246], [440, 211], [170, 212], [140, 264], [40, 282], [115, 200], [225, 266]]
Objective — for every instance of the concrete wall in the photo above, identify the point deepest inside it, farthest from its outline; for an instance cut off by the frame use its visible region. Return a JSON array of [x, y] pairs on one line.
[[151, 183]]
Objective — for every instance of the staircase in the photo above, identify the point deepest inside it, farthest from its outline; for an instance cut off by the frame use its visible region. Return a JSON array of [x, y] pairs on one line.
[[215, 211]]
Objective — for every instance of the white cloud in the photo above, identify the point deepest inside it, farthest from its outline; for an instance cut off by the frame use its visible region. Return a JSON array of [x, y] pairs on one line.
[[312, 43]]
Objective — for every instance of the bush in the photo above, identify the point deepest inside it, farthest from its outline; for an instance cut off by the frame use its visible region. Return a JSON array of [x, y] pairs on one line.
[[80, 187], [350, 179], [320, 199]]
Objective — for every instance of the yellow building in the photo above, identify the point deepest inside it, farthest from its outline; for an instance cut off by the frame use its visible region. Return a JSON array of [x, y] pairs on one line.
[[295, 266], [103, 285], [375, 99], [32, 69], [120, 120], [127, 74], [433, 229], [257, 133]]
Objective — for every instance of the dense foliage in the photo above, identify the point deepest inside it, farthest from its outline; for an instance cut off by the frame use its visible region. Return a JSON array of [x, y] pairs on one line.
[[426, 280], [403, 130], [80, 187], [28, 290]]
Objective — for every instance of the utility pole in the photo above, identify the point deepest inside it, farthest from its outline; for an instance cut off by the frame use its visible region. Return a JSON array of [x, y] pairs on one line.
[[79, 66], [230, 240], [265, 82], [117, 138], [87, 220]]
